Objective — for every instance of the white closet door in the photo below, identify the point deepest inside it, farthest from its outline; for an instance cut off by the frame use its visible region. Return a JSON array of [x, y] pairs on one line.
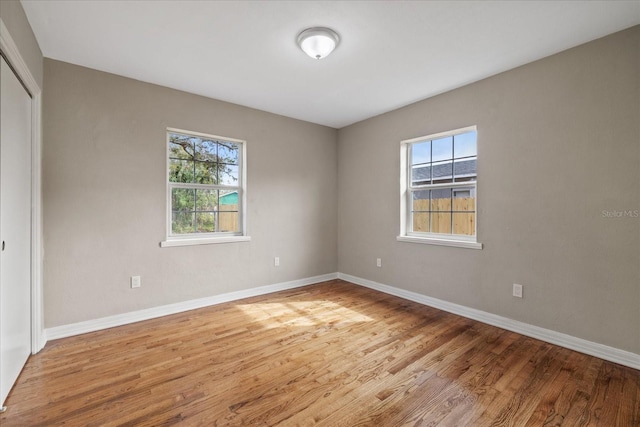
[[15, 228]]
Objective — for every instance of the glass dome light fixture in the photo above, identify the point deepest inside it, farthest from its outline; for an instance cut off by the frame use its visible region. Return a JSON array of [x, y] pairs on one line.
[[318, 42]]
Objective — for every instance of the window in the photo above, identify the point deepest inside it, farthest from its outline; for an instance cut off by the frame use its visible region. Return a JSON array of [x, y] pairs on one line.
[[438, 189], [205, 188]]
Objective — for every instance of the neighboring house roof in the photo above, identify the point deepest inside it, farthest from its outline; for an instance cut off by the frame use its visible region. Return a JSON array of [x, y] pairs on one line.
[[229, 198], [461, 168]]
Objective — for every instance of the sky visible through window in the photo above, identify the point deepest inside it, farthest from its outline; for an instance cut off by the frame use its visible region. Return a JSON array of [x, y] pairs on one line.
[[448, 148]]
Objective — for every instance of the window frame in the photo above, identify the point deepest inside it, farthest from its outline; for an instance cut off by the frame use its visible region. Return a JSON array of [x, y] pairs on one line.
[[204, 238], [406, 197]]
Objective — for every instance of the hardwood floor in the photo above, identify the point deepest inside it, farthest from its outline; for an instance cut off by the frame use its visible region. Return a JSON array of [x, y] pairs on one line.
[[331, 354]]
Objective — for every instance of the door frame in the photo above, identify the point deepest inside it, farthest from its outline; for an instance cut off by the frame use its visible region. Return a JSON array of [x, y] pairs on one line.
[[11, 52]]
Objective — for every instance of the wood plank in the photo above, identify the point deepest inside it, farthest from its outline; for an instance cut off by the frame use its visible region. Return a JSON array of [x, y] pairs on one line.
[[331, 354]]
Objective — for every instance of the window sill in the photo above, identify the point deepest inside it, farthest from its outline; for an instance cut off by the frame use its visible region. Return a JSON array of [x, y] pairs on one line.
[[204, 241], [440, 242]]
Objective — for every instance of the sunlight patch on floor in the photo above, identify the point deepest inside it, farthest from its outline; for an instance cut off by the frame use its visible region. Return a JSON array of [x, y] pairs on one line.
[[301, 313]]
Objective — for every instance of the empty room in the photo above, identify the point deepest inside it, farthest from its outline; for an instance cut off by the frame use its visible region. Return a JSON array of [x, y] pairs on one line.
[[331, 213]]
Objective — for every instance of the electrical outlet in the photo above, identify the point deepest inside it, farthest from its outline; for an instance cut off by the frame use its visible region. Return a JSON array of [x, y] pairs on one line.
[[517, 290], [379, 262], [135, 281], [276, 261]]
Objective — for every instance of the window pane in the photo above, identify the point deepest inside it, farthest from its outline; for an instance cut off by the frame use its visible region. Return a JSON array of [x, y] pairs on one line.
[[441, 222], [421, 152], [421, 200], [421, 222], [180, 171], [206, 173], [206, 200], [180, 147], [182, 222], [465, 145], [441, 199], [228, 152], [442, 149], [442, 172], [182, 199], [421, 175], [464, 200], [465, 169], [464, 223], [228, 200], [206, 150], [205, 222], [228, 174], [229, 221]]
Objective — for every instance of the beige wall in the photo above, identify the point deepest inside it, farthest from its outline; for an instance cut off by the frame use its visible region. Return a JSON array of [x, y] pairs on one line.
[[16, 22], [105, 205], [558, 143]]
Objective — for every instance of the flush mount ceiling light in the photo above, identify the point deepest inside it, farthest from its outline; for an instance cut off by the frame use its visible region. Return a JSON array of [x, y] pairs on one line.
[[318, 42]]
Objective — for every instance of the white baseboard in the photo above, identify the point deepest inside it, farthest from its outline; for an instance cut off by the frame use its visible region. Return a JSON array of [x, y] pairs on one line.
[[151, 313], [601, 351]]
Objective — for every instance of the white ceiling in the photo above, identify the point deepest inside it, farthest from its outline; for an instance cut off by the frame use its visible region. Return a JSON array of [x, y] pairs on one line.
[[392, 53]]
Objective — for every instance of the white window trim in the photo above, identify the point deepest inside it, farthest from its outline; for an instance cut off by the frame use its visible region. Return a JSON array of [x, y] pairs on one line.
[[208, 238], [439, 242], [461, 241], [204, 241]]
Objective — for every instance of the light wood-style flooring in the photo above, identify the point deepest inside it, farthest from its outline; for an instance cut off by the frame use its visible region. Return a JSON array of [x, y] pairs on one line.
[[331, 354]]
